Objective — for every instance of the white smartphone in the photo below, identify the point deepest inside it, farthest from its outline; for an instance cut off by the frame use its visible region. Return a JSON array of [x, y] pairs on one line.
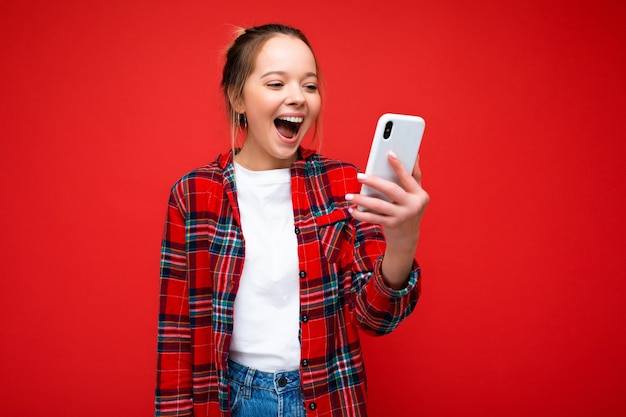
[[399, 133]]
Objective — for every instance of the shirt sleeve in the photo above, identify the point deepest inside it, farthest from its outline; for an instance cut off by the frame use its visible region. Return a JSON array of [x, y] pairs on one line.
[[173, 394], [379, 309]]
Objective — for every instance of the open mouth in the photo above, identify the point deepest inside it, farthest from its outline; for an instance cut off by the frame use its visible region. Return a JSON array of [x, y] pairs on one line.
[[288, 126]]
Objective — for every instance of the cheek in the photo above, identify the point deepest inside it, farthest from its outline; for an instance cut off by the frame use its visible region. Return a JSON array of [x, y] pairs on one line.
[[315, 106], [256, 101]]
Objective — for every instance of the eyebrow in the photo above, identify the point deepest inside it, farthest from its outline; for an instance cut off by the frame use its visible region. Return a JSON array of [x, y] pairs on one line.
[[308, 74]]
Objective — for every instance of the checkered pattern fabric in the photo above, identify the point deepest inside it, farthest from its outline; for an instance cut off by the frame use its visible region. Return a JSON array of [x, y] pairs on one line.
[[341, 289]]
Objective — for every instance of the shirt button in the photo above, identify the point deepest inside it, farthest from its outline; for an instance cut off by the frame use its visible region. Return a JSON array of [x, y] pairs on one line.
[[305, 318], [297, 231], [305, 362], [302, 274], [312, 406], [282, 381]]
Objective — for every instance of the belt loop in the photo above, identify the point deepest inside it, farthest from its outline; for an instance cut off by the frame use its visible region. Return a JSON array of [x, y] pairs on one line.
[[247, 385]]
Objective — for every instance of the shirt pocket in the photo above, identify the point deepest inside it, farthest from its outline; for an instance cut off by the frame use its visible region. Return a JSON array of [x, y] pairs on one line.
[[335, 235]]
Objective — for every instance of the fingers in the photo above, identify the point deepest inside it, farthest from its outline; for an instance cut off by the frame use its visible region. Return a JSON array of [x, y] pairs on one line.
[[408, 194], [409, 183], [368, 206], [406, 180], [417, 172], [368, 216]]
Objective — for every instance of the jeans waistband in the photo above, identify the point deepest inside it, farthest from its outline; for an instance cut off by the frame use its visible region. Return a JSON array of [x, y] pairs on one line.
[[273, 381]]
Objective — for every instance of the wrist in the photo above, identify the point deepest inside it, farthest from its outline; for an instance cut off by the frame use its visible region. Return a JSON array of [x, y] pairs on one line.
[[396, 270]]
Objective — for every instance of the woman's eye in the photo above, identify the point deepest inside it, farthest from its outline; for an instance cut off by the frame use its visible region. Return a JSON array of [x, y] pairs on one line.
[[311, 87], [275, 84]]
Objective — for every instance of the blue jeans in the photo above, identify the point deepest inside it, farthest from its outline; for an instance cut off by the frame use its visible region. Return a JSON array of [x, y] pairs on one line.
[[259, 394]]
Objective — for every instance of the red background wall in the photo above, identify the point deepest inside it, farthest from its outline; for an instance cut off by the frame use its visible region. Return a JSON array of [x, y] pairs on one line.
[[105, 104]]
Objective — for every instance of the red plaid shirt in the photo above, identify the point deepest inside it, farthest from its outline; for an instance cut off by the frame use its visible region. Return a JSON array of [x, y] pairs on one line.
[[341, 289]]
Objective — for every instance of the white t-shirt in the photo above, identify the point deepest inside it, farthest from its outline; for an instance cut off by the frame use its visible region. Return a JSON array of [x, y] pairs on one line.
[[266, 312]]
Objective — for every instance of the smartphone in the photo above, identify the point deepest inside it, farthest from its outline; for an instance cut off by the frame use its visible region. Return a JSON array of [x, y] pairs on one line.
[[400, 133]]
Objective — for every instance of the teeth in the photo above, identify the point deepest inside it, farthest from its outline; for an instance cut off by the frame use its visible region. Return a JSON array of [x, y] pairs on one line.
[[292, 119]]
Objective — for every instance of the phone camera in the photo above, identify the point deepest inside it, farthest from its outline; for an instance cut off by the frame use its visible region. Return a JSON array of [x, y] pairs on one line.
[[387, 131]]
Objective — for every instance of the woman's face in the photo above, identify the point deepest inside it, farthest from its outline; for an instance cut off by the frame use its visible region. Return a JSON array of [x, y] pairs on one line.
[[281, 102]]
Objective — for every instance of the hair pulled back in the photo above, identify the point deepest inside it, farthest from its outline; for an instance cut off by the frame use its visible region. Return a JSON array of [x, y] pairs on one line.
[[240, 59]]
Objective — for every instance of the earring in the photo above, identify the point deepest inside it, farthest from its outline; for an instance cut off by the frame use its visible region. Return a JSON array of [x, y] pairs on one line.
[[243, 122]]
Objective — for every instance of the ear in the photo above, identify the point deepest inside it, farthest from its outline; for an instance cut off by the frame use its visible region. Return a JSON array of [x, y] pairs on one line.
[[236, 102]]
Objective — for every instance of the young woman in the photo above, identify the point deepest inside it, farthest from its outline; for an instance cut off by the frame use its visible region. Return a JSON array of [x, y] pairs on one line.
[[268, 270]]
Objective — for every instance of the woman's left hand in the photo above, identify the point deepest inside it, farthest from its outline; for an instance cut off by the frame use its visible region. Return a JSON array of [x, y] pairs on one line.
[[400, 218]]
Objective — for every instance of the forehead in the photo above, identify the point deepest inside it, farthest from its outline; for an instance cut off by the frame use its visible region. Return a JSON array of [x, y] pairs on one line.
[[283, 52]]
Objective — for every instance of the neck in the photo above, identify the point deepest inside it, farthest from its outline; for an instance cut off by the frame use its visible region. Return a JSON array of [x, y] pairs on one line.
[[251, 161]]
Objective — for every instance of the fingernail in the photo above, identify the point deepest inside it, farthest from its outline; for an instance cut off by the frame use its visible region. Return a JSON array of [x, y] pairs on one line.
[[350, 210], [393, 155], [349, 197], [361, 176]]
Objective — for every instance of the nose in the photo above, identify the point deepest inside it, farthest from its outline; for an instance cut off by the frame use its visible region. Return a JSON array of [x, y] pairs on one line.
[[295, 96]]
